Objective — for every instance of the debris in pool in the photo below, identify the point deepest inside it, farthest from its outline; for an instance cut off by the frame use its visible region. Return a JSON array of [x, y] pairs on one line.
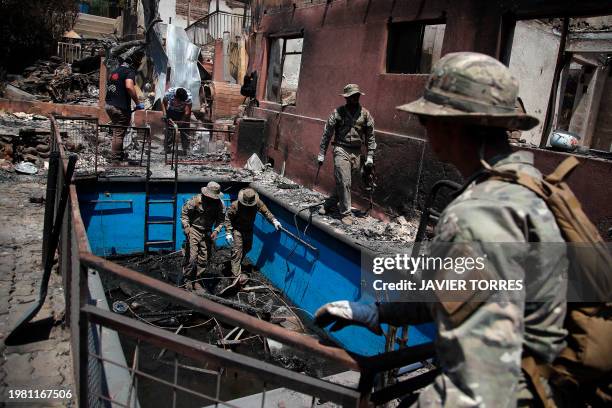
[[120, 307]]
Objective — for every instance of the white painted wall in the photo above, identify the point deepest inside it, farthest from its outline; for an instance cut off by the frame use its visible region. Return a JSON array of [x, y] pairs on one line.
[[532, 62], [167, 10]]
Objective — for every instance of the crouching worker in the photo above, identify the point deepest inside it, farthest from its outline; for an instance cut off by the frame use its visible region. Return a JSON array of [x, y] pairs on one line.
[[198, 217], [239, 222], [176, 106]]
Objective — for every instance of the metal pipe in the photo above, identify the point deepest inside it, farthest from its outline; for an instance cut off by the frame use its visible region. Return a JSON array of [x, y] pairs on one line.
[[50, 201], [292, 235]]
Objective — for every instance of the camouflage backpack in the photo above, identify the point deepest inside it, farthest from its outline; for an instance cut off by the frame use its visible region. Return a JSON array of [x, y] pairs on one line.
[[588, 355]]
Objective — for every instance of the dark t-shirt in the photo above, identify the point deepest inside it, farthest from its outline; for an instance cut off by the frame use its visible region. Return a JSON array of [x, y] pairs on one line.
[[116, 93]]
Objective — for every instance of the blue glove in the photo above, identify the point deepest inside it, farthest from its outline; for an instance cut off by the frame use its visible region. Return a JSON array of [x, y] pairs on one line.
[[140, 106]]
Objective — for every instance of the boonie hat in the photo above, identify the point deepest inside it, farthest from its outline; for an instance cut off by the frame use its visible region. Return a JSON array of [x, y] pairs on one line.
[[351, 89], [212, 190], [248, 197]]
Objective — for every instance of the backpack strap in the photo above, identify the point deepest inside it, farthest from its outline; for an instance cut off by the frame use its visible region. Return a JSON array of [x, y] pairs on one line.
[[563, 170], [536, 373], [516, 177]]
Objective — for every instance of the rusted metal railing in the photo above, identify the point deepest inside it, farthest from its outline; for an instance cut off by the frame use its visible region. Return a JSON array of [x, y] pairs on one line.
[[184, 144], [69, 52], [212, 26], [85, 136]]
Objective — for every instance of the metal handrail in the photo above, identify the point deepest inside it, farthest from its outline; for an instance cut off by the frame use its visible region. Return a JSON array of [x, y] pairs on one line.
[[212, 26], [205, 19], [208, 353], [223, 313]]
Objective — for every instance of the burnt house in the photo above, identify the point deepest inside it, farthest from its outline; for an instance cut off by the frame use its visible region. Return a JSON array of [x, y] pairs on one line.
[[305, 51]]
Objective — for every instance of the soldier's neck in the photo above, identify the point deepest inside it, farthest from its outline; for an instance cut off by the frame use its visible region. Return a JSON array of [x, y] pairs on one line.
[[352, 108], [471, 162]]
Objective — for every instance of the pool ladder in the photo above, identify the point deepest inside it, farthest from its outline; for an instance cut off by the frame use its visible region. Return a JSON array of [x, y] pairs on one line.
[[171, 243]]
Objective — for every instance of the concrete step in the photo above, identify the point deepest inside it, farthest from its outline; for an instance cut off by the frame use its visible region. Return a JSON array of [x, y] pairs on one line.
[[90, 26], [98, 19], [93, 26]]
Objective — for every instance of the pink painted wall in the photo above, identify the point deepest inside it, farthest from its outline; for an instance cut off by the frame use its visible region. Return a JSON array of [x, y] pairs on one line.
[[345, 41]]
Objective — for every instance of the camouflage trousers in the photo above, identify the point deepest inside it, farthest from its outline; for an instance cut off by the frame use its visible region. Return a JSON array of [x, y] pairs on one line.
[[243, 242], [346, 161], [198, 247], [119, 118]]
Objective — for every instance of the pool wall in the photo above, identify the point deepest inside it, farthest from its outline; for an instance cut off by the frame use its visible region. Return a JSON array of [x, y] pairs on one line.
[[113, 214]]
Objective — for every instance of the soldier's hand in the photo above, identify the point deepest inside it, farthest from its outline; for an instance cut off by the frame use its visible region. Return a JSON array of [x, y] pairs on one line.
[[229, 238], [344, 313], [213, 236], [321, 158], [277, 224], [186, 231], [369, 162]]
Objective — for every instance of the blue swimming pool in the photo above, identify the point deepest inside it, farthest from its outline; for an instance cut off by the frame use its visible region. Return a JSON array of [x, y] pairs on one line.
[[113, 214]]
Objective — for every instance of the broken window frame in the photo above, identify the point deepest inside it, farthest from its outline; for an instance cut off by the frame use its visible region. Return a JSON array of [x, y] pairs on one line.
[[283, 53], [418, 24]]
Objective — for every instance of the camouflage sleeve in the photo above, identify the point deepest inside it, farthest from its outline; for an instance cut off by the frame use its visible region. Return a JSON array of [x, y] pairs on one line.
[[369, 134], [480, 341], [328, 132], [229, 217], [185, 212], [263, 209]]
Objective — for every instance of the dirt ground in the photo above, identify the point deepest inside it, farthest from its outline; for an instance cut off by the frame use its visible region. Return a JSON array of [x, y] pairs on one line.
[[44, 364]]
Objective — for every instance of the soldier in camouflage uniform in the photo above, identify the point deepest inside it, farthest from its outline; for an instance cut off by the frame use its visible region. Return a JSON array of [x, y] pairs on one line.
[[467, 107], [353, 126], [239, 222], [198, 216]]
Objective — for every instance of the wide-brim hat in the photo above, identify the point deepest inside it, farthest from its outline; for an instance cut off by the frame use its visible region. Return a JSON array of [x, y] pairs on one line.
[[351, 89], [212, 190], [248, 197], [472, 88]]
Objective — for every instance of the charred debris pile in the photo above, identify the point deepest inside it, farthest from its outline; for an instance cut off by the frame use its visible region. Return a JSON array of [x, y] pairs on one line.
[[26, 138], [255, 296], [58, 80]]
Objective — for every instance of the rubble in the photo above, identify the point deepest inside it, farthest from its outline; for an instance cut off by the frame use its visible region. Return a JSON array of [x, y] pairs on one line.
[[24, 138], [54, 81], [366, 230]]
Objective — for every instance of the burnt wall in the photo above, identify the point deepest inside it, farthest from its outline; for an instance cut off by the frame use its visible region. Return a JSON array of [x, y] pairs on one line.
[[345, 41]]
